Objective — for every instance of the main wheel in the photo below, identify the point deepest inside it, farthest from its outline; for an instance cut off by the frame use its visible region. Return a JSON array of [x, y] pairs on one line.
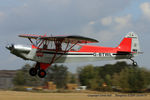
[[41, 73], [33, 71]]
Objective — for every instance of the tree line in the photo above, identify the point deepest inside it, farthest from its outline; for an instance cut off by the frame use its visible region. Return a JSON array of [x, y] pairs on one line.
[[58, 74], [110, 77], [115, 77]]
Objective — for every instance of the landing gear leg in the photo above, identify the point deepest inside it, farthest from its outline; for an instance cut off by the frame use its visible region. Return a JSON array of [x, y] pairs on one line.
[[134, 63], [37, 70], [33, 70]]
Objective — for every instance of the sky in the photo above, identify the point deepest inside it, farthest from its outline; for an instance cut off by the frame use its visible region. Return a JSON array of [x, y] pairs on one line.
[[105, 20]]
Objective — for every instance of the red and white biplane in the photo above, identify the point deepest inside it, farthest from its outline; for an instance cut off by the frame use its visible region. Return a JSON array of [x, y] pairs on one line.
[[47, 50]]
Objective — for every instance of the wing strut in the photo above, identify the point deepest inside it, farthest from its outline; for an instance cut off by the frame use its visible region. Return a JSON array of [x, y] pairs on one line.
[[55, 58]]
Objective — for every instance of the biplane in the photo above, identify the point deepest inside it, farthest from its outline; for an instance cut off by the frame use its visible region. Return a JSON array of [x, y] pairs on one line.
[[46, 50]]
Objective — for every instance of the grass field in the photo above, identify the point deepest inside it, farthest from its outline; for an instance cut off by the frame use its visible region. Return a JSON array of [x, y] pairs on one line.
[[13, 95]]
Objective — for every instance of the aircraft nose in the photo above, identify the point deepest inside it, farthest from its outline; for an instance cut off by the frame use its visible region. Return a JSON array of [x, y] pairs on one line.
[[10, 47]]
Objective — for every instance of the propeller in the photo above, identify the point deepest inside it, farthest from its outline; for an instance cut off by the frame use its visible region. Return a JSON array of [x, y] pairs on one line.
[[10, 47]]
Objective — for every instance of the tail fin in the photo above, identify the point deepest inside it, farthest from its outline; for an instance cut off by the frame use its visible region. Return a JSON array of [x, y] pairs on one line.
[[130, 43]]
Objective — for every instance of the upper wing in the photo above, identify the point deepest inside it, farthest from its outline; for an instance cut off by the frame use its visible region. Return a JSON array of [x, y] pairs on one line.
[[65, 39], [31, 36]]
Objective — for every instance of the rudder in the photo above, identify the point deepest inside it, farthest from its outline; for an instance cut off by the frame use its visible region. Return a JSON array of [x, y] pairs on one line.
[[130, 43]]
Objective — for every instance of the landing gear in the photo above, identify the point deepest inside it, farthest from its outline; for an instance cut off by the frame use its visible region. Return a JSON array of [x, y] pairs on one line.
[[42, 73], [37, 70], [133, 62], [33, 71]]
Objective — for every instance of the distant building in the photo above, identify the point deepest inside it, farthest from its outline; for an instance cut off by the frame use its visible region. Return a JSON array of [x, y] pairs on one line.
[[72, 86], [6, 77]]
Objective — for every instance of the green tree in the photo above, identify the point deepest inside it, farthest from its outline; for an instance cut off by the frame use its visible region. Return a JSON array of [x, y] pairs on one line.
[[19, 78], [23, 78], [73, 79], [131, 79], [110, 69], [57, 74], [121, 75], [108, 80], [88, 76]]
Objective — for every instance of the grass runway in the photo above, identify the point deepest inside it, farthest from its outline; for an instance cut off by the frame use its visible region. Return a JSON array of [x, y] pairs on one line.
[[14, 95]]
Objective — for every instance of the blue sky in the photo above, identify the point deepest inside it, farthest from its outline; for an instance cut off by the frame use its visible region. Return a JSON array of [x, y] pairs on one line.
[[105, 20]]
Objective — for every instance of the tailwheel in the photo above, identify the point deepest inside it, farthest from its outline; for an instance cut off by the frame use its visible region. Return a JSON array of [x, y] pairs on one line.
[[41, 73], [33, 71], [134, 63]]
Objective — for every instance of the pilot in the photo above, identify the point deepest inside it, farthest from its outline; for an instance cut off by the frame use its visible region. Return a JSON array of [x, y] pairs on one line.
[[58, 46]]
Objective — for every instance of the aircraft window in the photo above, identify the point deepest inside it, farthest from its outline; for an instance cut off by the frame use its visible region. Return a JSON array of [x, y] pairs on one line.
[[51, 45], [76, 48], [44, 46]]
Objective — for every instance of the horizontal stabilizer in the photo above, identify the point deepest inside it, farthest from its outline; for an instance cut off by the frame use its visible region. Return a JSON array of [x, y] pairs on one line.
[[122, 53]]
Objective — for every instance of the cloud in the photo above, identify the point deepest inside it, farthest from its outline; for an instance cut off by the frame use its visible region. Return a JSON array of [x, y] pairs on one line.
[[88, 29], [106, 21], [109, 27], [91, 22], [58, 16], [145, 7], [2, 16], [123, 22], [61, 2]]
